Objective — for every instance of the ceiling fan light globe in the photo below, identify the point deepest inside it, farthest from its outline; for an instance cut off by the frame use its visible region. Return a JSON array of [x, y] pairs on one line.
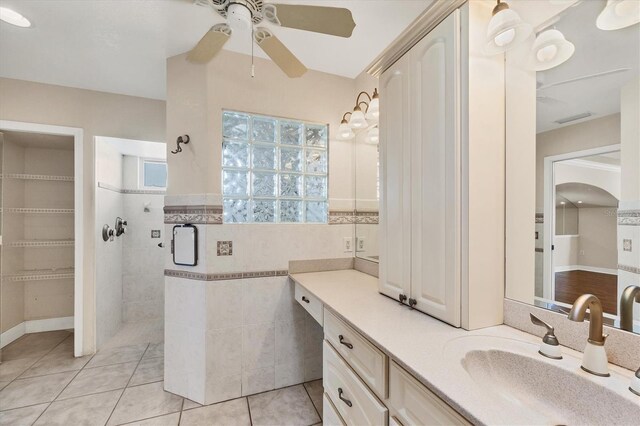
[[505, 31], [357, 120], [618, 14]]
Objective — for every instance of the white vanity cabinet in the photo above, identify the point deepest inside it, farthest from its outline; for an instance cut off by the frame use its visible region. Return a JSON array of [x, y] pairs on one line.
[[410, 403], [420, 215], [364, 387]]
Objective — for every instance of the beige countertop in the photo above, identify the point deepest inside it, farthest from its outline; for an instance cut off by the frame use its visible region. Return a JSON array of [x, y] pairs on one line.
[[422, 344]]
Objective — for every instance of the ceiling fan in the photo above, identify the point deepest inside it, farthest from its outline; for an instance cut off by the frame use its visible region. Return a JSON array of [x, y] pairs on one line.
[[244, 15]]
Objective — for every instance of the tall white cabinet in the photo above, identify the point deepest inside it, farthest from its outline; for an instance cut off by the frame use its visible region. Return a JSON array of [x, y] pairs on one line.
[[420, 215]]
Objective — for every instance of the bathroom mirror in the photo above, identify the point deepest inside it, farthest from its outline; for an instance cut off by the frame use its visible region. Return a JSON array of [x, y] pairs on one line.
[[573, 157], [367, 196]]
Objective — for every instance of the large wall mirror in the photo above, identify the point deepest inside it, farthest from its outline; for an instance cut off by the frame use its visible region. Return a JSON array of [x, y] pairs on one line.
[[367, 195], [573, 156]]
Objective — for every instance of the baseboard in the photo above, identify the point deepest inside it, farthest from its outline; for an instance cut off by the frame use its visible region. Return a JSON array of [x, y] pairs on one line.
[[586, 268], [35, 326], [12, 334]]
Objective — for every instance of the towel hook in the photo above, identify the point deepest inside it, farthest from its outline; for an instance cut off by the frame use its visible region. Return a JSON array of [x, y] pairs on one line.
[[181, 140]]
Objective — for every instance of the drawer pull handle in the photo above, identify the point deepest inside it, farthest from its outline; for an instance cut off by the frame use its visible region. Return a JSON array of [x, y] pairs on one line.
[[305, 300], [347, 344], [343, 399]]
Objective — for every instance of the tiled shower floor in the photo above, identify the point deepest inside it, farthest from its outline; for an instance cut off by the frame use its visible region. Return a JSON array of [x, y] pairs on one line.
[[41, 383]]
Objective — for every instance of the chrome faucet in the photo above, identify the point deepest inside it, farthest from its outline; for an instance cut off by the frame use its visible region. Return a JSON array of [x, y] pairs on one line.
[[629, 295], [595, 359]]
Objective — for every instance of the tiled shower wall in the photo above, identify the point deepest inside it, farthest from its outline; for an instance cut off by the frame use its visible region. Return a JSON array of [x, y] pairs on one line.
[[232, 324], [143, 260]]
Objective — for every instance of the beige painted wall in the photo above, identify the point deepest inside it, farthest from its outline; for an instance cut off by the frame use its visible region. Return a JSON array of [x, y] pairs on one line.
[[197, 95], [98, 114], [598, 229], [630, 140], [590, 134]]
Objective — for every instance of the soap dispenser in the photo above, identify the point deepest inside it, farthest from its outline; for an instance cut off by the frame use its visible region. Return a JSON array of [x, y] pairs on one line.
[[550, 347]]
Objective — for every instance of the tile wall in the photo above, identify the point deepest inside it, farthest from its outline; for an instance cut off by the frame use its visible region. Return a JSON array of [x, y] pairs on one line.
[[232, 325]]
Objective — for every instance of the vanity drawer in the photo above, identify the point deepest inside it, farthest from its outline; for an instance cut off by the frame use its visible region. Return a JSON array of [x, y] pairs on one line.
[[368, 361], [355, 403], [413, 404], [310, 303], [330, 416]]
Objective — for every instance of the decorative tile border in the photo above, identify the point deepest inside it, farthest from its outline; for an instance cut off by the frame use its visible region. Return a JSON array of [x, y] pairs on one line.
[[629, 217], [628, 268], [203, 214], [348, 217], [539, 250], [341, 217], [109, 187], [539, 217], [198, 276], [367, 217]]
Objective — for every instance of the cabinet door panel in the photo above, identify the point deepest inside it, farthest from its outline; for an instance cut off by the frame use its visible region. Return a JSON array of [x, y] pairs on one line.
[[435, 172], [395, 206]]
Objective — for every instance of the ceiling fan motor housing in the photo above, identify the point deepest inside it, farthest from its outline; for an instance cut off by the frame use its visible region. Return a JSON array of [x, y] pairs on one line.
[[239, 12]]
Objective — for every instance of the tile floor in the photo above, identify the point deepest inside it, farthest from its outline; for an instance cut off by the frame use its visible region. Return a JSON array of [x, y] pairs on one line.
[[42, 384]]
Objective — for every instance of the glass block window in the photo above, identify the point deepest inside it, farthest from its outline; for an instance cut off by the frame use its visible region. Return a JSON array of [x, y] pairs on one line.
[[273, 170], [154, 174]]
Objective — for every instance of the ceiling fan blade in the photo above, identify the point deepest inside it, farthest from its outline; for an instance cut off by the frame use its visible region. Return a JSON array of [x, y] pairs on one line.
[[279, 53], [335, 21], [210, 44]]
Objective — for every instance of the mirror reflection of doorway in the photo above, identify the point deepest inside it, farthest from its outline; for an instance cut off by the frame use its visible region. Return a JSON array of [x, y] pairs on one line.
[[583, 203]]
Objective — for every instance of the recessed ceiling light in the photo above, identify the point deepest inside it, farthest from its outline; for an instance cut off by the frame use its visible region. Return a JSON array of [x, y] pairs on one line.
[[579, 202], [14, 18]]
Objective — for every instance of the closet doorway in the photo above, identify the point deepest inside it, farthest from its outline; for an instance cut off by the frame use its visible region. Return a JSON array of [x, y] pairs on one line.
[[41, 242]]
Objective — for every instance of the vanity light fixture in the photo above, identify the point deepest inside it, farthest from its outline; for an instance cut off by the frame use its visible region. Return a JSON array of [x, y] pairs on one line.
[[551, 49], [361, 120], [14, 18], [344, 131], [506, 30], [618, 14]]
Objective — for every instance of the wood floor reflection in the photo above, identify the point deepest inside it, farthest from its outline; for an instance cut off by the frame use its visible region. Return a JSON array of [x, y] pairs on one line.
[[571, 284]]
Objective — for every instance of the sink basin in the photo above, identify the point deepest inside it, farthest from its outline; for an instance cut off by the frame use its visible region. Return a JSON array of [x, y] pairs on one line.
[[518, 383]]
